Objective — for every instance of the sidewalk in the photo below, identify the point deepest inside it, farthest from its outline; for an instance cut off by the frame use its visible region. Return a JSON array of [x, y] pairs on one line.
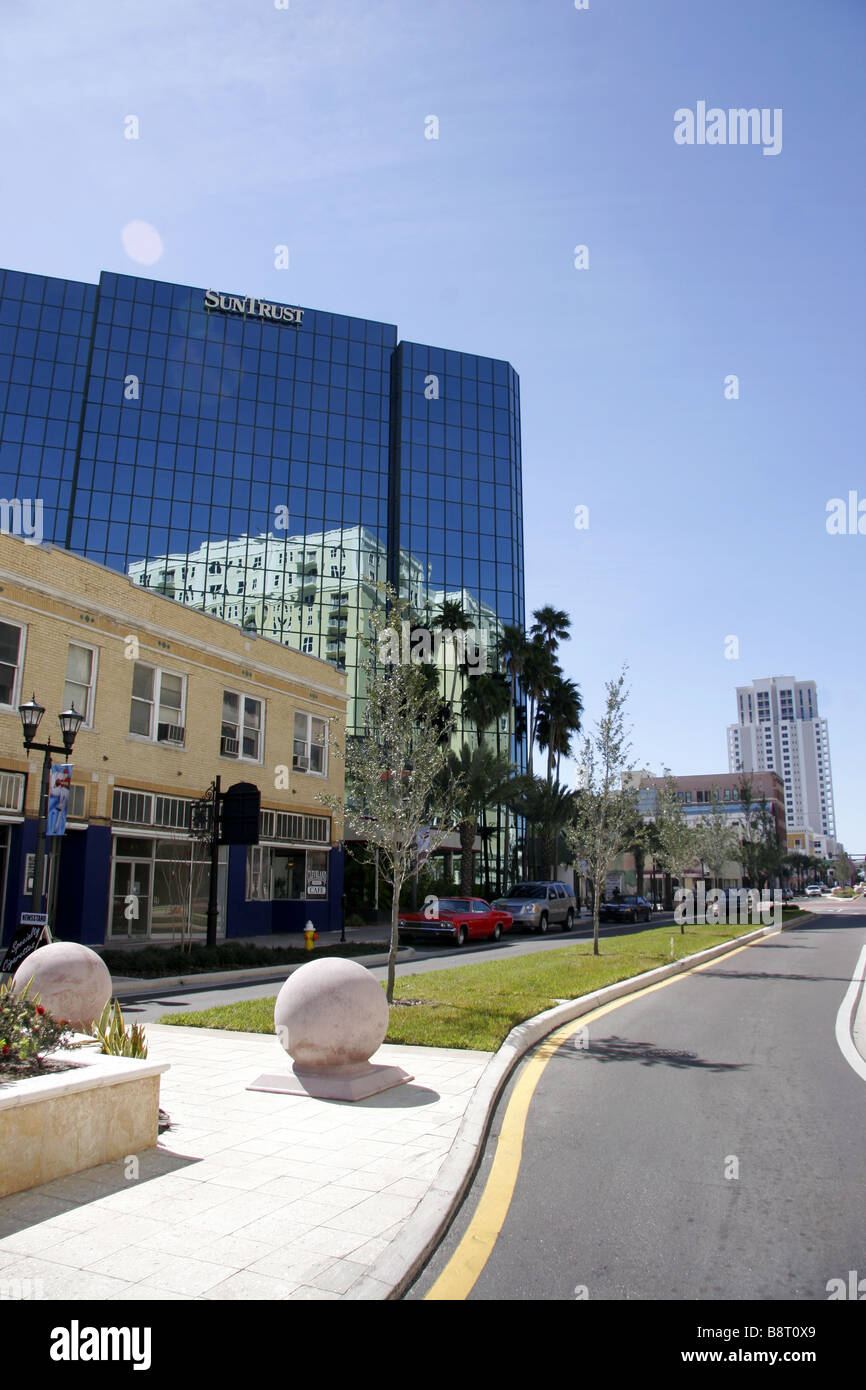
[[253, 1195], [248, 1194]]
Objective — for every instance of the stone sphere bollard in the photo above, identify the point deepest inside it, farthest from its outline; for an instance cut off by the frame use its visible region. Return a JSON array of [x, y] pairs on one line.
[[331, 1015], [72, 982]]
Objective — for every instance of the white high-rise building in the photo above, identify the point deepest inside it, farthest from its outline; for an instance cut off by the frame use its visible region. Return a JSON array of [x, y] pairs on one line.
[[779, 730]]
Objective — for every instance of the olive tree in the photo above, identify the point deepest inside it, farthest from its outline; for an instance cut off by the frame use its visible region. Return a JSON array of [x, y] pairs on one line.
[[398, 797], [604, 810]]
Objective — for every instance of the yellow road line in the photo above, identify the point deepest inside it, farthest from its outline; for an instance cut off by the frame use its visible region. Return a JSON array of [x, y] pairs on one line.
[[463, 1270]]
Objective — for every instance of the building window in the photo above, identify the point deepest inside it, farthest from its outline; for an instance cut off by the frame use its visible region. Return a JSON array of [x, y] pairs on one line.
[[132, 808], [11, 649], [157, 708], [80, 684], [307, 645], [242, 727], [12, 791], [275, 874], [258, 874], [309, 753]]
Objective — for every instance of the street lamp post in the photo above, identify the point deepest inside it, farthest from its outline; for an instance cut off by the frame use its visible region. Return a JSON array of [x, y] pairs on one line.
[[70, 721]]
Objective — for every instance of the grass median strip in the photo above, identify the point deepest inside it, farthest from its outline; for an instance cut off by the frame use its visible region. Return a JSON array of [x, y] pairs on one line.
[[476, 1006]]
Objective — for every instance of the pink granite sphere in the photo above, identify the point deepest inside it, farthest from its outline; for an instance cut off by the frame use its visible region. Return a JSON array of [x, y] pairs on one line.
[[332, 1015], [72, 982]]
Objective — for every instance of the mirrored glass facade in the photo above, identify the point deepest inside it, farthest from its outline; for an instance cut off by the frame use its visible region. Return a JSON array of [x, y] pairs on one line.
[[268, 464]]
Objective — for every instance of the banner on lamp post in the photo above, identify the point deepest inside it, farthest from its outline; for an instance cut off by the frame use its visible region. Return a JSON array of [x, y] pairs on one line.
[[59, 786]]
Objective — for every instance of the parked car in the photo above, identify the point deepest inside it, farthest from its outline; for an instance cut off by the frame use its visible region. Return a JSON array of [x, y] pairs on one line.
[[456, 919], [814, 890], [540, 905], [628, 907]]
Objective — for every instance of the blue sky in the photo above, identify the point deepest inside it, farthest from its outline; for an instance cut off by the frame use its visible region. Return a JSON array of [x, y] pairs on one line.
[[305, 127]]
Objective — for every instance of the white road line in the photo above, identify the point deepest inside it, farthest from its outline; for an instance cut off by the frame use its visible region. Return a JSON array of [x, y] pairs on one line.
[[845, 1019]]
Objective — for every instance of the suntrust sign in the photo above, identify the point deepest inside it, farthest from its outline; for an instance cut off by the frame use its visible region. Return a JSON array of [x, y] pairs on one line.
[[256, 308]]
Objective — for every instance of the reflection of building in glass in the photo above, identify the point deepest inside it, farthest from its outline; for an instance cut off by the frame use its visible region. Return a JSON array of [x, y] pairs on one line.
[[315, 593], [153, 419]]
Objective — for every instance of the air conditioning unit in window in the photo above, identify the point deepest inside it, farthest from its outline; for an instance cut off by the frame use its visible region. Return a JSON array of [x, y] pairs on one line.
[[301, 764], [229, 747], [170, 733]]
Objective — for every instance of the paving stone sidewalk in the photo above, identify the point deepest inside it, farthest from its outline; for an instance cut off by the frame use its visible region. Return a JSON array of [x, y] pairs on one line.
[[248, 1195]]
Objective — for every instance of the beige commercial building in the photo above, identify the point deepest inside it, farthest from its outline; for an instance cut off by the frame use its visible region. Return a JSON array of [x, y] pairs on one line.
[[172, 699]]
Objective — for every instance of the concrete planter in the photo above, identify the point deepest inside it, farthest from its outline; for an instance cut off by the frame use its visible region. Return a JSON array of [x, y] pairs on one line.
[[99, 1109]]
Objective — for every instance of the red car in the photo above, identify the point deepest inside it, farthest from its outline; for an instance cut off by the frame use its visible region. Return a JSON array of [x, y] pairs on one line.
[[454, 919]]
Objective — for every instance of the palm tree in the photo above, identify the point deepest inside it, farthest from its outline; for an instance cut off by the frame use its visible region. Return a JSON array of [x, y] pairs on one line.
[[558, 718], [442, 716], [485, 777], [453, 616], [539, 670], [800, 863], [510, 654], [551, 627], [547, 807], [639, 845], [511, 647], [485, 701]]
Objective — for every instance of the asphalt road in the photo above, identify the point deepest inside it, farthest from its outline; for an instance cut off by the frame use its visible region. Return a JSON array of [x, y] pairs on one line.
[[625, 1186], [145, 1008]]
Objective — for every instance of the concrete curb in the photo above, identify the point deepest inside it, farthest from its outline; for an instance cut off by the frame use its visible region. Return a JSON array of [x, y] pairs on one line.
[[801, 922], [396, 1270], [127, 987]]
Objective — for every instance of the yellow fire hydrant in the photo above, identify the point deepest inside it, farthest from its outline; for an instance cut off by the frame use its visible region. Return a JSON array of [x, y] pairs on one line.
[[311, 936]]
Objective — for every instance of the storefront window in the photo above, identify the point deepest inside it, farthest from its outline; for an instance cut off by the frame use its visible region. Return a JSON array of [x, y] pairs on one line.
[[287, 874], [280, 875]]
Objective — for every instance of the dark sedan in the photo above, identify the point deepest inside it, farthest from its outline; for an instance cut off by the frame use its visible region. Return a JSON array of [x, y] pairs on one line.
[[627, 908]]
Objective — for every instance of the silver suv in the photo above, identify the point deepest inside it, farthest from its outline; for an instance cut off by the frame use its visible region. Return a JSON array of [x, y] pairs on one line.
[[540, 905]]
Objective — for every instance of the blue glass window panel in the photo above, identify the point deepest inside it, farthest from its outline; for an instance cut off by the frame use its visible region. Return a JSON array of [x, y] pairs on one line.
[[182, 487]]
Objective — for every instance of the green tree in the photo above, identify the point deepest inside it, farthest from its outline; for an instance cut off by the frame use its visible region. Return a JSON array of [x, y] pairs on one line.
[[547, 809], [539, 671], [674, 835], [637, 844], [558, 720], [799, 864], [482, 777], [486, 700], [604, 808], [843, 868], [761, 849], [395, 787], [551, 627], [717, 840]]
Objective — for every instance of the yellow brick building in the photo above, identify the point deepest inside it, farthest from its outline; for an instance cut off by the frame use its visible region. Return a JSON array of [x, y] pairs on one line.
[[172, 699]]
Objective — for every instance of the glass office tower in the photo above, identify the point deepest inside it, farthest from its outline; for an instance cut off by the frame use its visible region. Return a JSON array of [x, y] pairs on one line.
[[268, 464]]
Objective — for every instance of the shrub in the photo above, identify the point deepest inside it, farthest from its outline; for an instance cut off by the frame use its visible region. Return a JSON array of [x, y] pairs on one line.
[[27, 1032], [172, 960], [116, 1039]]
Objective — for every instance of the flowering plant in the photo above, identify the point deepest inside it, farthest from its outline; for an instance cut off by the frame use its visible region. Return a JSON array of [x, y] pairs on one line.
[[27, 1032]]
